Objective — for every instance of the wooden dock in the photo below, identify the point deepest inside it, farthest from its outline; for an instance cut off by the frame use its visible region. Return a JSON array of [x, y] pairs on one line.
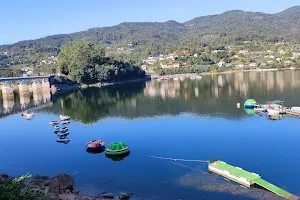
[[246, 178], [293, 113]]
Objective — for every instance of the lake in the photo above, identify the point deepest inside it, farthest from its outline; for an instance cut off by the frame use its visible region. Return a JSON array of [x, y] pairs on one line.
[[189, 119]]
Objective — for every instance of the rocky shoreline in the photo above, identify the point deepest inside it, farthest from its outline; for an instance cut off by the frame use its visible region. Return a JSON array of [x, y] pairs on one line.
[[60, 187]]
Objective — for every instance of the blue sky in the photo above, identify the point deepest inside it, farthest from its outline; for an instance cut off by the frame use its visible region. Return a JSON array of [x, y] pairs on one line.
[[32, 19]]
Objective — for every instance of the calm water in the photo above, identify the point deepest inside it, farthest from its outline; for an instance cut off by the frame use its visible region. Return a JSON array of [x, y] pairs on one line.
[[191, 119]]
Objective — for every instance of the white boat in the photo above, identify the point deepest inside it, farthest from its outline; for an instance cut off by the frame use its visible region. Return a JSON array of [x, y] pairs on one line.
[[28, 115], [272, 112], [295, 109], [53, 123], [198, 77], [259, 108], [192, 77], [65, 140], [182, 78], [62, 134], [63, 118], [175, 79], [65, 122]]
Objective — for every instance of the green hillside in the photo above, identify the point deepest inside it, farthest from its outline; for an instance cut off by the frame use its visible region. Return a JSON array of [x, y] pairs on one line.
[[153, 38]]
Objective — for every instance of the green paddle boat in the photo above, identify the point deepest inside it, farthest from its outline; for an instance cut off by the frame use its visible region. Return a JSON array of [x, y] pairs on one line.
[[116, 149], [250, 103]]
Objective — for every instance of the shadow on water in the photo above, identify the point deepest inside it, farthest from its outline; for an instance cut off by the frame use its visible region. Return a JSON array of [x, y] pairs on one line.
[[95, 150], [118, 158]]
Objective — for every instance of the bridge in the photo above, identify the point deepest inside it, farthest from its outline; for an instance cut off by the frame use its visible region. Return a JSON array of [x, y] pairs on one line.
[[37, 86]]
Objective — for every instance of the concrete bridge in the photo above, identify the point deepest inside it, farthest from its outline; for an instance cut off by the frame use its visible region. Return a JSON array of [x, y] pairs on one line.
[[38, 86]]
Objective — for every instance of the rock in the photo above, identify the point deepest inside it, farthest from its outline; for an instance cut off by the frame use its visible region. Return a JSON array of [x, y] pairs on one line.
[[67, 191], [54, 186], [41, 181], [46, 183], [67, 197], [75, 191], [54, 197], [41, 177], [88, 198], [123, 196], [108, 196], [65, 181], [4, 176]]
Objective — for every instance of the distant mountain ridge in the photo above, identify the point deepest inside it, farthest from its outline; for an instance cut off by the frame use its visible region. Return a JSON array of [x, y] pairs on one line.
[[154, 37]]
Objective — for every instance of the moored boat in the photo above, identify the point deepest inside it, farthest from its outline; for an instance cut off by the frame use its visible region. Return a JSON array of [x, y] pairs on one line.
[[63, 134], [65, 122], [53, 123], [250, 103], [259, 108], [63, 118], [117, 148], [273, 112], [96, 144], [28, 115], [63, 140], [295, 109]]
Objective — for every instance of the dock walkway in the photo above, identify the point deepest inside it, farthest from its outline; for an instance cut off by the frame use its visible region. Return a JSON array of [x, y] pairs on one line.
[[246, 178]]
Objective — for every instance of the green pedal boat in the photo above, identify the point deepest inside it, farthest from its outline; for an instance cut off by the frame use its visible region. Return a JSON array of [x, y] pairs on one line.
[[117, 149]]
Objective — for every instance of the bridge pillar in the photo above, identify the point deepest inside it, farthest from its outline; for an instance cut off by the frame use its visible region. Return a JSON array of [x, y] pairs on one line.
[[23, 89], [7, 90], [24, 100], [46, 96], [8, 104], [46, 85], [36, 86], [37, 97]]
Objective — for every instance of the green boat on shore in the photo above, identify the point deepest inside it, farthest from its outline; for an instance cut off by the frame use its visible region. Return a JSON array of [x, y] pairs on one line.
[[116, 149]]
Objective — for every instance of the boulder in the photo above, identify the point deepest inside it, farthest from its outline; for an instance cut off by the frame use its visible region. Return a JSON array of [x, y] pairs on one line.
[[54, 197], [37, 181], [75, 191], [65, 181], [108, 196], [67, 191], [54, 186], [67, 197], [4, 176], [86, 197], [123, 196]]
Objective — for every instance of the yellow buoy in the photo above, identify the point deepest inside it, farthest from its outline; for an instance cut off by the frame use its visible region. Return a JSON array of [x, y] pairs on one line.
[[238, 105]]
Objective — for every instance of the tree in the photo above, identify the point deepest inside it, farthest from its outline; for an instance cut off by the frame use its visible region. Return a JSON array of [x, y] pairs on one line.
[[86, 63]]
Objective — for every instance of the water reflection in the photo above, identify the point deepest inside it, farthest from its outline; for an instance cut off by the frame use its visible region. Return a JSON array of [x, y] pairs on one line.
[[212, 95], [118, 158], [95, 150], [19, 102]]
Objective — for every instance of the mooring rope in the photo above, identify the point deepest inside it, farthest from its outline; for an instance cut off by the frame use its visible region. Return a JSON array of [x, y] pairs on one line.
[[194, 169], [177, 159]]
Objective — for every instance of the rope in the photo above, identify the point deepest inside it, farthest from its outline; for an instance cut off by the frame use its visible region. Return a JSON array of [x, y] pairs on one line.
[[178, 159], [194, 169]]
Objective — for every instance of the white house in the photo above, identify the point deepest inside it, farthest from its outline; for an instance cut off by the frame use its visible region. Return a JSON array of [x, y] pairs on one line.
[[263, 64], [240, 66], [221, 64], [253, 65]]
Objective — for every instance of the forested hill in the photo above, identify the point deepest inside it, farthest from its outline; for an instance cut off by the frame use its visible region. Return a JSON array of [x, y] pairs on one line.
[[154, 38]]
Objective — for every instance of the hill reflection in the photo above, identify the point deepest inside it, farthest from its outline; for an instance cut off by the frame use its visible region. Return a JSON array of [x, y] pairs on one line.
[[212, 95]]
